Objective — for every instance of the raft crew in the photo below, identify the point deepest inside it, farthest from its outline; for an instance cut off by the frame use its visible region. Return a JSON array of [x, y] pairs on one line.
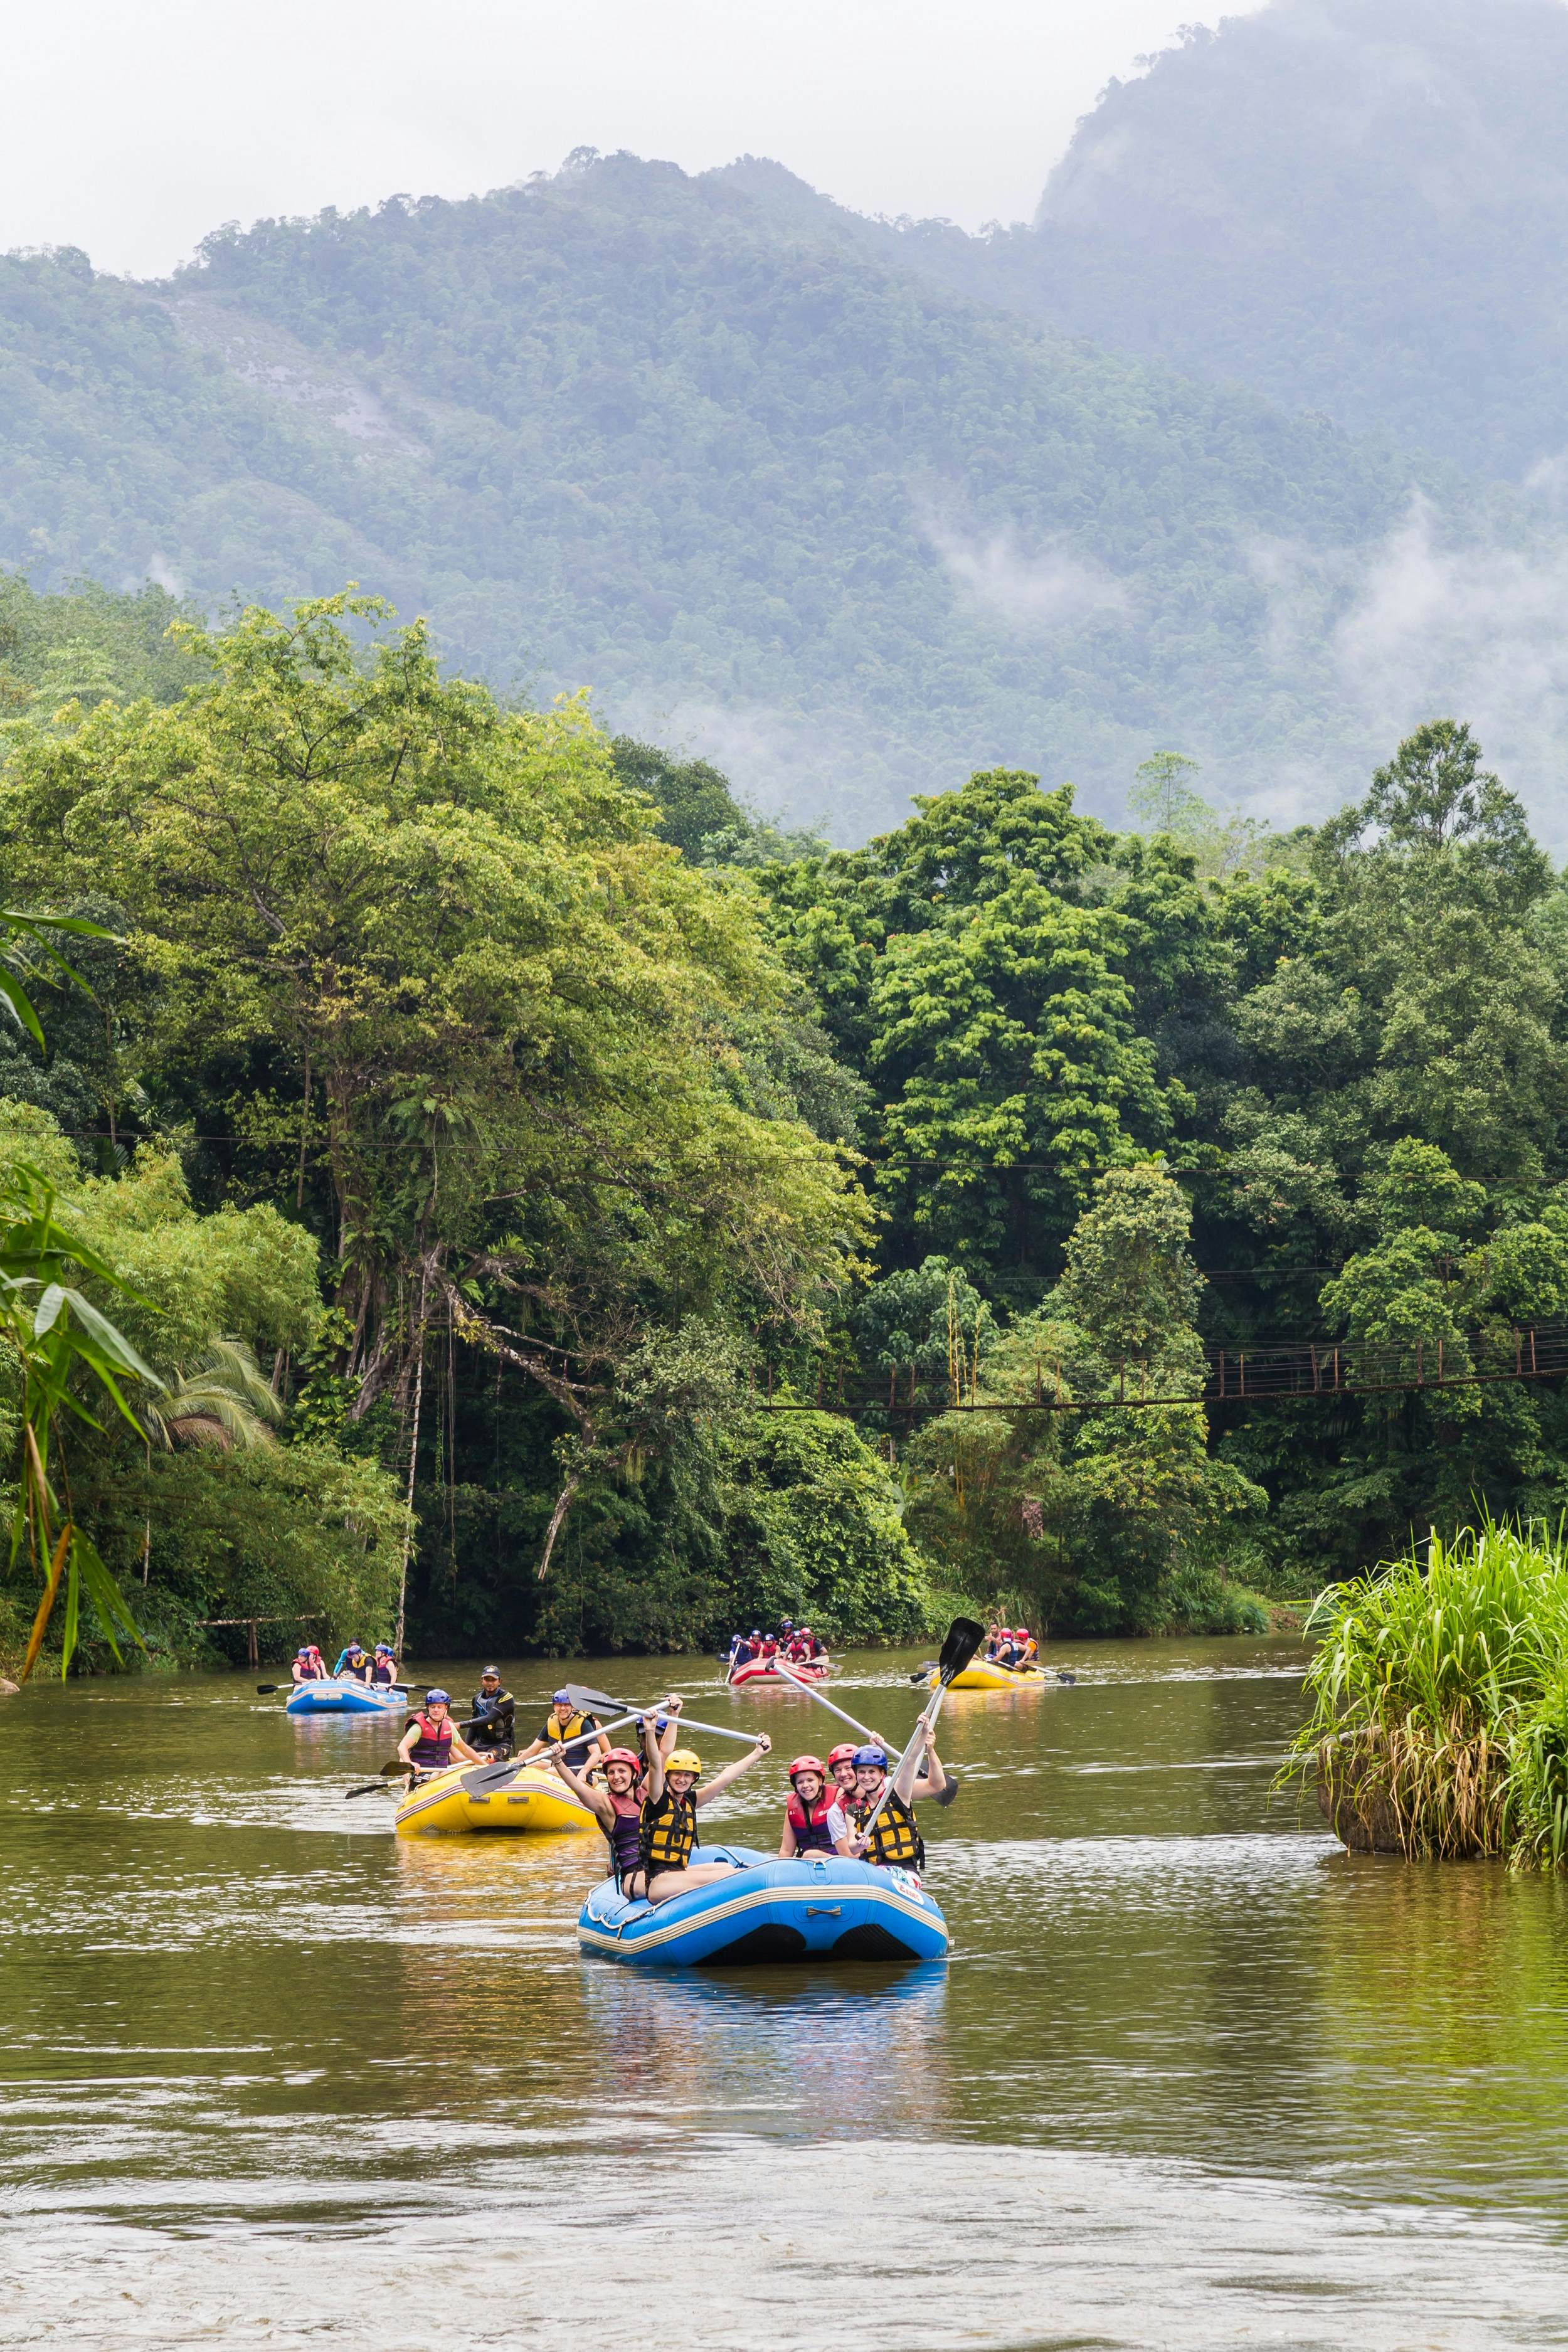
[[383, 1667], [894, 1838], [432, 1740], [815, 1819], [565, 1725], [667, 1831], [352, 1665], [309, 1666], [494, 1715], [743, 1648]]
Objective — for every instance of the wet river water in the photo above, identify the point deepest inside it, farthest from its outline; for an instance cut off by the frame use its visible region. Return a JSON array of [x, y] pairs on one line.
[[1193, 2077]]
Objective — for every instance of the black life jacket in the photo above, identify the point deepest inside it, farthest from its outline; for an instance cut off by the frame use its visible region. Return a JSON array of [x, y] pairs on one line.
[[895, 1838], [433, 1749], [384, 1670], [812, 1835], [624, 1834], [667, 1833], [352, 1673]]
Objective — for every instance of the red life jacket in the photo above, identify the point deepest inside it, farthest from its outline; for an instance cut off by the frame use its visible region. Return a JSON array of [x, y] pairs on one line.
[[811, 1830], [433, 1749]]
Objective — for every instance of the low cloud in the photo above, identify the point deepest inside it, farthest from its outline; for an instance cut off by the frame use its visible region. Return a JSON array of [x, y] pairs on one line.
[[1033, 594]]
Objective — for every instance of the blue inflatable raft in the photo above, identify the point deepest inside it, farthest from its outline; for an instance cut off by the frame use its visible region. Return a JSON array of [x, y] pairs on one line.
[[770, 1911], [344, 1697]]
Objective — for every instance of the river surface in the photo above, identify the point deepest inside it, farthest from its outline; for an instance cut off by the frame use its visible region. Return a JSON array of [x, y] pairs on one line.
[[1193, 2077]]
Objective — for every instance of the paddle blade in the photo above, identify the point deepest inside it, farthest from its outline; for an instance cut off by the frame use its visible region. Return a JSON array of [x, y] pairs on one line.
[[946, 1795], [924, 1674], [964, 1638], [265, 1690], [580, 1696], [369, 1789]]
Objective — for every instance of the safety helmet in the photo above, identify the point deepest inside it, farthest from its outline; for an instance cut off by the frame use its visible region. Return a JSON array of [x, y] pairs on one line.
[[561, 1695], [844, 1753], [354, 1650], [624, 1756], [870, 1760], [755, 1634], [682, 1760], [786, 1624], [1020, 1633], [809, 1764], [383, 1649], [302, 1653], [437, 1698]]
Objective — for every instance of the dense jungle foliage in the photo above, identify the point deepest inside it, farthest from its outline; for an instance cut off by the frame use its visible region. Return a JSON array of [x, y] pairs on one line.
[[516, 1150], [729, 460]]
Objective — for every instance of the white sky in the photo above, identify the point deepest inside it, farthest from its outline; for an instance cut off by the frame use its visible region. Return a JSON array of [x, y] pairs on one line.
[[132, 129]]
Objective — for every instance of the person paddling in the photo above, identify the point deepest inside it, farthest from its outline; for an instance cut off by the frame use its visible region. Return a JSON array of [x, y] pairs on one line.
[[669, 1827], [815, 1819], [567, 1726], [893, 1838], [432, 1740]]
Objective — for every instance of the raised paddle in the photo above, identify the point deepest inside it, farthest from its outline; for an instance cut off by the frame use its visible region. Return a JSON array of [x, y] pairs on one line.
[[964, 1638]]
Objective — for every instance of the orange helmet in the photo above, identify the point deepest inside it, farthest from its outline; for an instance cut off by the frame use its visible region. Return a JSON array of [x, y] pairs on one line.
[[809, 1764]]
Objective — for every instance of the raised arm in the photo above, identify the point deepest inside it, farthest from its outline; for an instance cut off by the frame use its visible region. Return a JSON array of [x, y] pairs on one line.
[[654, 1755], [595, 1798], [732, 1771], [908, 1770]]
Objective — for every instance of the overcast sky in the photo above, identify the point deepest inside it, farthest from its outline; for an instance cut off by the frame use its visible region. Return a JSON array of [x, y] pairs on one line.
[[131, 131]]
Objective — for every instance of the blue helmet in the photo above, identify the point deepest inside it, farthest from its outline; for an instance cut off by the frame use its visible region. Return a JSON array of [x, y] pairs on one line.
[[560, 1696], [437, 1698], [870, 1760]]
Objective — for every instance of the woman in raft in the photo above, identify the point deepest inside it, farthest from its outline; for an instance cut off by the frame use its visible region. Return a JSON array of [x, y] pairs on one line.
[[432, 1740], [816, 1820], [660, 1866]]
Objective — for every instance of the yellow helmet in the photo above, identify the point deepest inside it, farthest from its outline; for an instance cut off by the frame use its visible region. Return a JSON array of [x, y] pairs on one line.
[[683, 1759]]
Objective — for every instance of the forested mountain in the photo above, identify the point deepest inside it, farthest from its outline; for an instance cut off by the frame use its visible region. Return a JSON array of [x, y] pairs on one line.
[[1356, 206], [706, 447]]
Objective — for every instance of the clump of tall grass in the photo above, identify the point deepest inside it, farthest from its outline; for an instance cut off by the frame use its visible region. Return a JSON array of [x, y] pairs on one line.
[[1430, 1732]]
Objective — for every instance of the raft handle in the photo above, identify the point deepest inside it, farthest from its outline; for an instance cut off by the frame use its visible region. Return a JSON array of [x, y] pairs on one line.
[[825, 1910]]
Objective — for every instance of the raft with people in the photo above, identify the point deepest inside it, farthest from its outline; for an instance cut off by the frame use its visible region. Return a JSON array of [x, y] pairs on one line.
[[757, 1657], [766, 1909], [514, 1798], [335, 1695]]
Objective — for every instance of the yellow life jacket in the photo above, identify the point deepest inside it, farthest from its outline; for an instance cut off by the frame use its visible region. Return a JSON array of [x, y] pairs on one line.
[[667, 1833], [895, 1839], [554, 1728]]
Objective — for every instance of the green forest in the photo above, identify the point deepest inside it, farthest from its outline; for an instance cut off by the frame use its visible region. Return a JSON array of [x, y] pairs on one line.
[[505, 1153]]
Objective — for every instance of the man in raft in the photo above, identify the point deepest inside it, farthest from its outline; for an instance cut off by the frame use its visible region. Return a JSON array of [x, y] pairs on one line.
[[494, 1715], [567, 1726], [433, 1740], [667, 1830], [352, 1665], [814, 1817], [894, 1838]]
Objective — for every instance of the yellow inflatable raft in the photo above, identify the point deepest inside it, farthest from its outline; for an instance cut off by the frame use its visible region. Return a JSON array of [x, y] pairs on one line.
[[981, 1674], [478, 1797]]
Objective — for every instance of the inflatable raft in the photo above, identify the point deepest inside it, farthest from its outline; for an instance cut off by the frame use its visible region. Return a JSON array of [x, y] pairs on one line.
[[983, 1673], [769, 1911], [762, 1670], [514, 1797], [344, 1697]]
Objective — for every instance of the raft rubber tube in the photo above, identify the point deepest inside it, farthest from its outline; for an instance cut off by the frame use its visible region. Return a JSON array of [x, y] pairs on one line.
[[767, 1911], [983, 1673], [762, 1670], [344, 1697], [470, 1799]]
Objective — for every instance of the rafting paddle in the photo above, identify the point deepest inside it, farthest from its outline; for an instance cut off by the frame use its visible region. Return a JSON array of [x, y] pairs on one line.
[[964, 1638]]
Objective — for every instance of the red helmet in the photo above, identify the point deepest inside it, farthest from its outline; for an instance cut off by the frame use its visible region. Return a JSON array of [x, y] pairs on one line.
[[843, 1754], [809, 1764], [624, 1756]]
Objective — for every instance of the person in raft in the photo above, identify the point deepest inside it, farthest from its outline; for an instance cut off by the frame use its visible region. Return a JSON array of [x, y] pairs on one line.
[[352, 1665], [894, 1838], [383, 1665], [743, 1650], [433, 1740], [667, 1831], [494, 1714], [565, 1727], [309, 1666], [814, 1817]]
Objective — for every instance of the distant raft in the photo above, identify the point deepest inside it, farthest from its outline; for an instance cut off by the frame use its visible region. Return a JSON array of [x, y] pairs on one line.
[[762, 1670], [771, 1911], [343, 1696], [516, 1799], [984, 1674]]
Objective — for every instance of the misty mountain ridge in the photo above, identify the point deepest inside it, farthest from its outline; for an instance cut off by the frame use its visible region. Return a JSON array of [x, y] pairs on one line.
[[852, 506]]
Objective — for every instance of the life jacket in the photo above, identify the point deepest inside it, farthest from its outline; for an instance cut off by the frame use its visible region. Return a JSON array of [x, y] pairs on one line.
[[624, 1834], [895, 1838], [1030, 1651], [384, 1670], [811, 1831], [433, 1749], [349, 1673], [770, 1649], [568, 1735], [667, 1833]]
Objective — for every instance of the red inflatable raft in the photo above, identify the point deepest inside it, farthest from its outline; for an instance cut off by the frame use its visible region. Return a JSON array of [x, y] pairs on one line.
[[762, 1670]]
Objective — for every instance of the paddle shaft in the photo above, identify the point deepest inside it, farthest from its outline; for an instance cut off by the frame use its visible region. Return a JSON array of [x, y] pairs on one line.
[[812, 1691]]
